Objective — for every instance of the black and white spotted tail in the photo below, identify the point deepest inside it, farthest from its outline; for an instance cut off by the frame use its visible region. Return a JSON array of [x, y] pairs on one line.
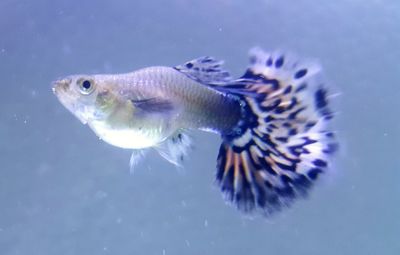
[[282, 143]]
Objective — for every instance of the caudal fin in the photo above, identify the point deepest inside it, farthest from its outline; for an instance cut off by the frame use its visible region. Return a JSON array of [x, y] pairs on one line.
[[282, 143]]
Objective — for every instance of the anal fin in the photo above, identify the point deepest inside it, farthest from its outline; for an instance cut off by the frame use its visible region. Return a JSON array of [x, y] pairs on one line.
[[175, 148]]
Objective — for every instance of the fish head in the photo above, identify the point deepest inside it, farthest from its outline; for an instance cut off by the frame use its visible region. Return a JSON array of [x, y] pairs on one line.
[[83, 95]]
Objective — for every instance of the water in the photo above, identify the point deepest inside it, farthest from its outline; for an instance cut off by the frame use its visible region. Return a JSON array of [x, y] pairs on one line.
[[62, 191]]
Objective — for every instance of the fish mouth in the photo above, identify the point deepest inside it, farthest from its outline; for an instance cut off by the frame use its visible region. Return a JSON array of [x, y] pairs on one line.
[[60, 86], [60, 89]]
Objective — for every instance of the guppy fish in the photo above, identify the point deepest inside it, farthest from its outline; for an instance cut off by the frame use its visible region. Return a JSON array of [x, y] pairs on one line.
[[273, 121]]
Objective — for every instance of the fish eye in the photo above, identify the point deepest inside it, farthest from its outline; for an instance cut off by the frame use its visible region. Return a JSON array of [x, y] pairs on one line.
[[86, 86]]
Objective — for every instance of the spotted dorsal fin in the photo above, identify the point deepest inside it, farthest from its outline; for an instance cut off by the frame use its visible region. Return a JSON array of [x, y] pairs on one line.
[[206, 70]]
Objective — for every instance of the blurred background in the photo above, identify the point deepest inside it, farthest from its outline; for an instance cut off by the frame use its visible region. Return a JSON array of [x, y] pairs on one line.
[[63, 191]]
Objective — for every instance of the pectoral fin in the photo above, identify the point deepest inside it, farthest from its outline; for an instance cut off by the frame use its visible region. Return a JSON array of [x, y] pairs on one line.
[[154, 105]]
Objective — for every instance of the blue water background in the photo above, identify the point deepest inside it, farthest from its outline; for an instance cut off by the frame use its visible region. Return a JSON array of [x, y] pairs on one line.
[[65, 192]]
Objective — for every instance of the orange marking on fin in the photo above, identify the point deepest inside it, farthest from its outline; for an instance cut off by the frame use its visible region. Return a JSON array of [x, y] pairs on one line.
[[259, 178], [255, 154], [263, 90], [237, 176], [285, 103], [228, 161], [246, 167], [248, 173], [258, 132], [273, 165], [279, 159]]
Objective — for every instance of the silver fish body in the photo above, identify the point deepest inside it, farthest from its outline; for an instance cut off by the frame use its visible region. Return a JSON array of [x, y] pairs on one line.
[[143, 108]]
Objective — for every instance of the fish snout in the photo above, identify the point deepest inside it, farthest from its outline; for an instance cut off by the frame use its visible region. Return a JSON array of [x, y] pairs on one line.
[[60, 85]]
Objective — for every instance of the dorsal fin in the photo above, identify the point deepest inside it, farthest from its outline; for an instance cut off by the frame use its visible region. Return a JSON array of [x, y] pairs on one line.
[[206, 70]]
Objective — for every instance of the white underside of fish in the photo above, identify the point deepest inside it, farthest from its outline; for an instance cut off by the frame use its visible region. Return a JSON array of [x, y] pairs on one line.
[[125, 138]]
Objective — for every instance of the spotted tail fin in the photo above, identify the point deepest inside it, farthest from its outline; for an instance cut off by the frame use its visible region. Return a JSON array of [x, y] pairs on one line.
[[282, 143]]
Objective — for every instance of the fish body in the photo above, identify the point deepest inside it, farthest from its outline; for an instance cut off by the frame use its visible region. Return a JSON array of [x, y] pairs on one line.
[[273, 121], [143, 108]]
